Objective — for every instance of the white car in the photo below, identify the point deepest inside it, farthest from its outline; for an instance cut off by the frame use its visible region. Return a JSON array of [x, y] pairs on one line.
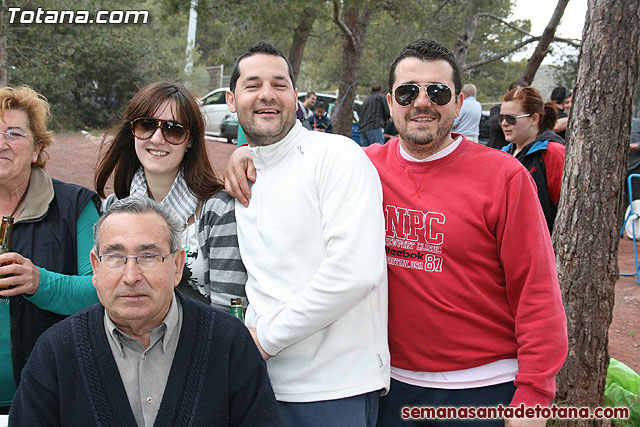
[[214, 109]]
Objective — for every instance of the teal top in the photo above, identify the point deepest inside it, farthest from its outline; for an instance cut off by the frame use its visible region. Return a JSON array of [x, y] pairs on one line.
[[242, 139], [57, 292]]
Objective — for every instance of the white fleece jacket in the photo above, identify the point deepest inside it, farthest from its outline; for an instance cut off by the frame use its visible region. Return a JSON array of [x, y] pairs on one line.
[[312, 240]]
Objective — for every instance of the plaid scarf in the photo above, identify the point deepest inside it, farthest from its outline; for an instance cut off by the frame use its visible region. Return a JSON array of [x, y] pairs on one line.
[[180, 198]]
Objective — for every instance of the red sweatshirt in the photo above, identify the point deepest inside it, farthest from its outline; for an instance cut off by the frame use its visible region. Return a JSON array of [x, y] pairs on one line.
[[472, 276]]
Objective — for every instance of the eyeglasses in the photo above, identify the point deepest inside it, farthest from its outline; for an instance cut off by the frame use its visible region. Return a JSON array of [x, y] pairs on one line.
[[12, 135], [438, 93], [144, 128], [510, 118], [144, 261]]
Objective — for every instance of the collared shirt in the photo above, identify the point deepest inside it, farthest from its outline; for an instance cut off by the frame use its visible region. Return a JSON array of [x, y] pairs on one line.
[[144, 372]]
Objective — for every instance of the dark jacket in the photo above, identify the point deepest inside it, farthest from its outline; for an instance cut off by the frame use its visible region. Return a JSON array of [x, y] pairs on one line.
[[562, 114], [496, 136], [550, 135], [375, 112], [49, 241], [544, 160], [217, 378], [322, 123]]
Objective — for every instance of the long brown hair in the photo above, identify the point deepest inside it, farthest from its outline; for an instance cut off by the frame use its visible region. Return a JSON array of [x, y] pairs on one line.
[[531, 103], [120, 157]]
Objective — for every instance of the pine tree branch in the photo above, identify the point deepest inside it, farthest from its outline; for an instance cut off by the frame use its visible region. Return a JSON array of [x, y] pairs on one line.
[[343, 27]]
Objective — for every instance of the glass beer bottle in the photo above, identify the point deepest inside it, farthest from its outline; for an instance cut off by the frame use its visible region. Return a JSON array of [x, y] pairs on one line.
[[6, 229], [236, 308]]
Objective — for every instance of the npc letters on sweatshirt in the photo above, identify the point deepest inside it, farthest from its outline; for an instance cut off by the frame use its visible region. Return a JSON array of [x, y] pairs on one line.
[[413, 238]]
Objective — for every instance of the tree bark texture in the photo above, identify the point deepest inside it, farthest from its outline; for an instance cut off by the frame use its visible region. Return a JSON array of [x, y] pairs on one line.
[[356, 18], [586, 234], [300, 36], [543, 45], [466, 34]]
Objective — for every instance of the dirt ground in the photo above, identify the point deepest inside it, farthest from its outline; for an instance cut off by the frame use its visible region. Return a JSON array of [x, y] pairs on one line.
[[73, 159], [624, 332]]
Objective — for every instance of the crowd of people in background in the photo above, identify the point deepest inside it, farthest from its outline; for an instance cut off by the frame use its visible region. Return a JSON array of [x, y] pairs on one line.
[[375, 124], [373, 279], [468, 121], [540, 148]]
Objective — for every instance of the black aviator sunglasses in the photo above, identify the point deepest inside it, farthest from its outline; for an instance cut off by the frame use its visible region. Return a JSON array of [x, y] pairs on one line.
[[438, 93]]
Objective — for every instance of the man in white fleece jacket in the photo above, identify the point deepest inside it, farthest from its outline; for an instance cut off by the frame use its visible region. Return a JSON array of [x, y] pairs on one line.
[[312, 240]]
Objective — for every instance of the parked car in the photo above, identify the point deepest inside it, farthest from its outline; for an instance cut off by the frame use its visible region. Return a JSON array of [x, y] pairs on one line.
[[214, 109], [229, 128]]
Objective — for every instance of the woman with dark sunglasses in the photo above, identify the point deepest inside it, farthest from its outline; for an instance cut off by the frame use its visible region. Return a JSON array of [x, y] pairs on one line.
[[158, 150], [527, 122]]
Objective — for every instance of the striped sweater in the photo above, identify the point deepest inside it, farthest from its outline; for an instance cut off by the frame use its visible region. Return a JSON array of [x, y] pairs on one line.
[[225, 275]]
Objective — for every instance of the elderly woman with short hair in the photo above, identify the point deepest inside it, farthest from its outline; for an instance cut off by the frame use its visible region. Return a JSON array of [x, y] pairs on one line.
[[48, 273]]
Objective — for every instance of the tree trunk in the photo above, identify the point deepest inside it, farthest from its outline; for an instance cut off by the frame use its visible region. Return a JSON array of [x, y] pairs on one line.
[[300, 36], [354, 28], [543, 45], [4, 57], [586, 234], [342, 116], [466, 34]]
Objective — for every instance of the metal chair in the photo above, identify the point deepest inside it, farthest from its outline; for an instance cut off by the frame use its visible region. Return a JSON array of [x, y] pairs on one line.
[[633, 216]]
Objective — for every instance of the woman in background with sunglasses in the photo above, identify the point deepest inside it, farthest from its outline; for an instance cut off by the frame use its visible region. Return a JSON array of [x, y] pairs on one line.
[[527, 122], [158, 150]]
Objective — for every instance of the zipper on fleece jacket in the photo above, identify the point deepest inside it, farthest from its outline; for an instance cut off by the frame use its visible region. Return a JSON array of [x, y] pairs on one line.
[[263, 171]]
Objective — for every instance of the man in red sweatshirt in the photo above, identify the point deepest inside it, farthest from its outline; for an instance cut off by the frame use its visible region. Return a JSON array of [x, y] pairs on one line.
[[475, 309]]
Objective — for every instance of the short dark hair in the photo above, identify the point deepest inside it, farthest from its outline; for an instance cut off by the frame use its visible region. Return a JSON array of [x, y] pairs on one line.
[[427, 50], [309, 95], [376, 88], [258, 48], [559, 94]]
